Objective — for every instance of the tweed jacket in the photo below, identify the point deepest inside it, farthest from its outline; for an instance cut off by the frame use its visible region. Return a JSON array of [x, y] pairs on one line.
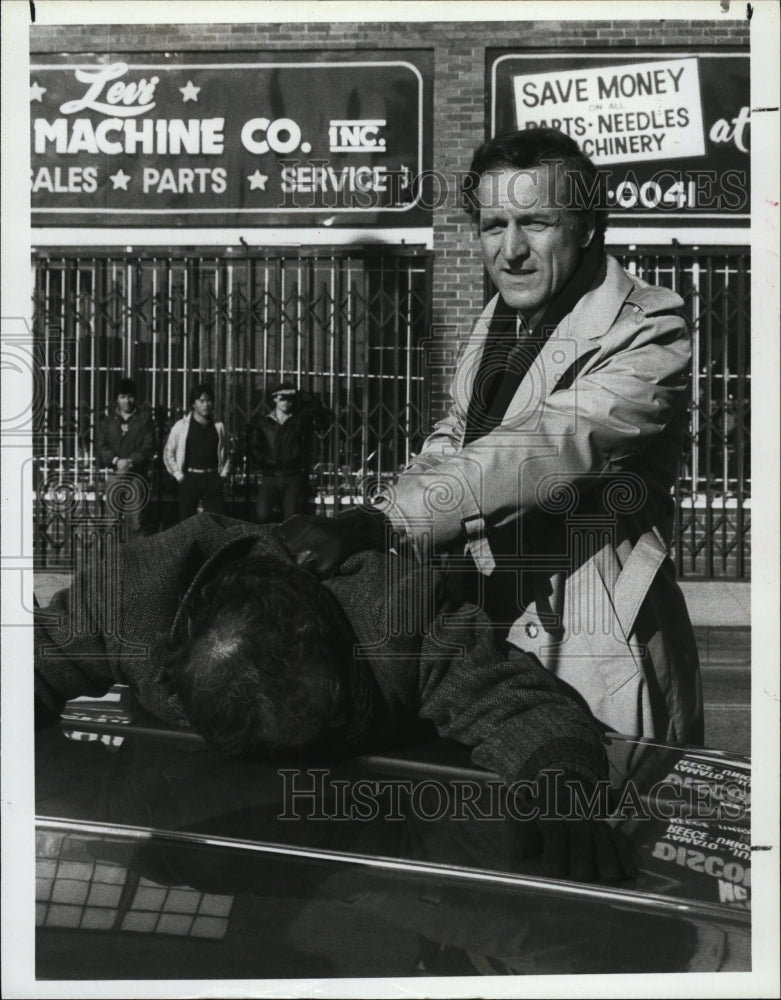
[[176, 445], [570, 496], [422, 656]]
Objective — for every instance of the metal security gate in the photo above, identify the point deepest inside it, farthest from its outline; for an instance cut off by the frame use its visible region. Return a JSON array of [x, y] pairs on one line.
[[345, 325], [712, 532]]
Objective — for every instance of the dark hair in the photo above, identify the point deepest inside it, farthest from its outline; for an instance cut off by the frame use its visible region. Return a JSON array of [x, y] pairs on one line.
[[584, 199], [125, 387], [254, 655], [202, 389]]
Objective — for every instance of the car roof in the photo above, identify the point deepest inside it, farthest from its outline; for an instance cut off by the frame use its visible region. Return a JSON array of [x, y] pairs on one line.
[[406, 844]]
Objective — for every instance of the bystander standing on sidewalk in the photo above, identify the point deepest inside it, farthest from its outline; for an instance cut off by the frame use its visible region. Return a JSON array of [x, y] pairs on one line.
[[281, 443], [125, 444], [197, 455]]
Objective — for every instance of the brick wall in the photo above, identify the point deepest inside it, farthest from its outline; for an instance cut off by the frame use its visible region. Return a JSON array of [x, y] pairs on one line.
[[459, 101]]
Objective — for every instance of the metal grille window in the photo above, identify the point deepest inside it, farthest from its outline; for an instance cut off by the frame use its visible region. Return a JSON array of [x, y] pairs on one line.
[[345, 325], [712, 537]]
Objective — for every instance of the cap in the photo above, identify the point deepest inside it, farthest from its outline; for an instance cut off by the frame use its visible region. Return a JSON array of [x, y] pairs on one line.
[[284, 389]]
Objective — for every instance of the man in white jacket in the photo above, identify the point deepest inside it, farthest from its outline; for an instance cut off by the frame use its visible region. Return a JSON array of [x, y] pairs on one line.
[[197, 455]]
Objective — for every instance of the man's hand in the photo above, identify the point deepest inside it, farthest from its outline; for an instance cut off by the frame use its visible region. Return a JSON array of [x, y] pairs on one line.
[[585, 850], [321, 544], [572, 845], [124, 465]]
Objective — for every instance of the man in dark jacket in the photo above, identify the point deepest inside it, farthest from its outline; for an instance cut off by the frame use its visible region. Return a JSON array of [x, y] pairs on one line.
[[125, 443], [212, 625], [281, 444]]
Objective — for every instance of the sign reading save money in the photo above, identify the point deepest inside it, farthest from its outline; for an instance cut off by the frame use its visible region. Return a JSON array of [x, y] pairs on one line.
[[643, 111], [668, 131]]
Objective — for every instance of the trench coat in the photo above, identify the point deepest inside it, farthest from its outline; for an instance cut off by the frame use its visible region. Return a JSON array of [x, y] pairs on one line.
[[570, 498]]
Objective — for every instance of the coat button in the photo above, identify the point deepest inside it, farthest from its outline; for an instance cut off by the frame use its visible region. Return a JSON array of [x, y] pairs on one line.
[[532, 630]]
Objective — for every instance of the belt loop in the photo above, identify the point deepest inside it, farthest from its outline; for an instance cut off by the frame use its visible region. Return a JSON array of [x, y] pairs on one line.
[[478, 545]]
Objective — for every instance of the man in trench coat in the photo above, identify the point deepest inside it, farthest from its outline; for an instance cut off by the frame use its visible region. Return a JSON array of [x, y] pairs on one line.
[[550, 479]]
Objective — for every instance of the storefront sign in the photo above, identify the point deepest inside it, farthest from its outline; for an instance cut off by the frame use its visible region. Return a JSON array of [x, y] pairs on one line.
[[669, 131], [154, 139]]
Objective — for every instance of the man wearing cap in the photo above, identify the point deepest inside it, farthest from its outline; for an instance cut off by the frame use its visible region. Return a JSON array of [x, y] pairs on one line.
[[281, 454], [125, 443]]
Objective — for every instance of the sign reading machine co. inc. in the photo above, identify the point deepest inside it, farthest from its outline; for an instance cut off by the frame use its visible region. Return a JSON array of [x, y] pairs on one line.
[[186, 140], [669, 133]]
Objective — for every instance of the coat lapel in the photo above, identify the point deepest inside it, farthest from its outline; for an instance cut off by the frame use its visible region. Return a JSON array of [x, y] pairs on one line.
[[469, 362], [572, 344]]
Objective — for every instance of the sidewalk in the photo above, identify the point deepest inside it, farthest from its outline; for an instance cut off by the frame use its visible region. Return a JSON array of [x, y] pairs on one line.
[[47, 583], [723, 603], [725, 660], [721, 614]]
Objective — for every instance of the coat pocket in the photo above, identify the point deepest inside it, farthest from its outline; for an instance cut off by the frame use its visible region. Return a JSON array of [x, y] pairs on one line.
[[583, 643]]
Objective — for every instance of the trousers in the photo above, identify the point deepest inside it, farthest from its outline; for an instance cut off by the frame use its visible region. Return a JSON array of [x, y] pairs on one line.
[[203, 487], [285, 489]]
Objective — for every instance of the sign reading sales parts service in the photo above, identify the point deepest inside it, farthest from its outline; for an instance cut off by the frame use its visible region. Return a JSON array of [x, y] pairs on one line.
[[669, 131], [323, 139]]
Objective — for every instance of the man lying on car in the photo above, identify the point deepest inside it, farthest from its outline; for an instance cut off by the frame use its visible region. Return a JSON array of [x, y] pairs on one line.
[[214, 627]]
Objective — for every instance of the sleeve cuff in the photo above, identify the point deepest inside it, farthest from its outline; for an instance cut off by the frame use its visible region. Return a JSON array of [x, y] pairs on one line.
[[584, 760], [429, 507]]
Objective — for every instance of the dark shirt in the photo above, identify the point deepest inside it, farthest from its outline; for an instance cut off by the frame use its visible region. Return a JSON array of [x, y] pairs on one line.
[[201, 449], [505, 361]]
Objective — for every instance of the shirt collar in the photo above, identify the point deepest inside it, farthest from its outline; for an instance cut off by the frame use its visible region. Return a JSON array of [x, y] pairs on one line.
[[522, 328]]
